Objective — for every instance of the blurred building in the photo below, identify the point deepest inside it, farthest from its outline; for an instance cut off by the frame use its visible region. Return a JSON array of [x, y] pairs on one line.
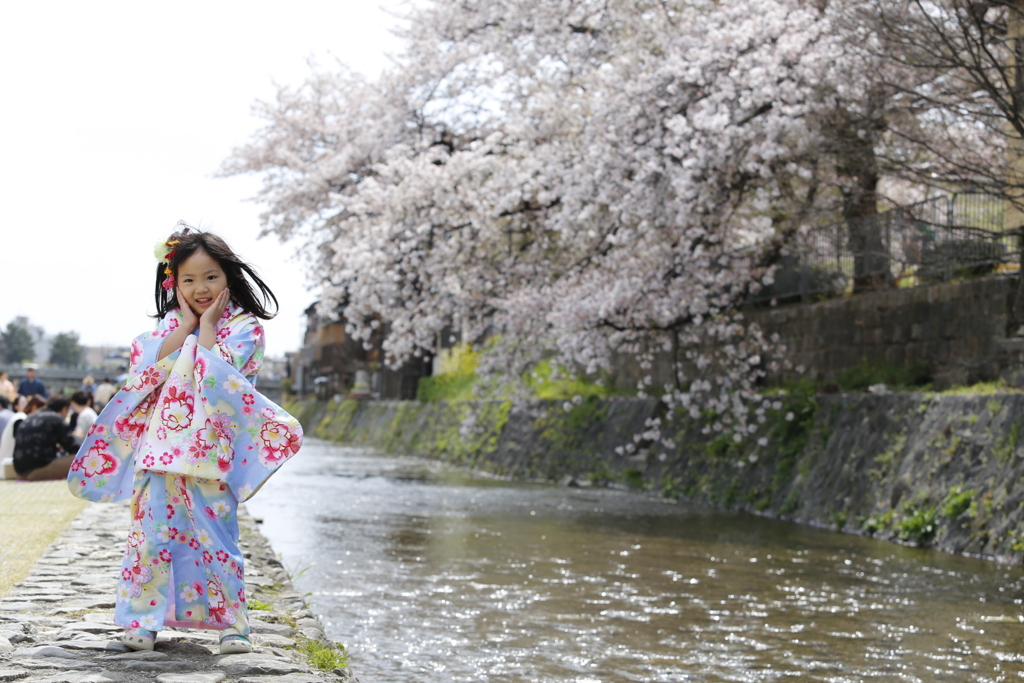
[[331, 363], [111, 359]]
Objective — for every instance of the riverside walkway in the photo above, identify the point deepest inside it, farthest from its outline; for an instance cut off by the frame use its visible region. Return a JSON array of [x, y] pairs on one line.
[[56, 621]]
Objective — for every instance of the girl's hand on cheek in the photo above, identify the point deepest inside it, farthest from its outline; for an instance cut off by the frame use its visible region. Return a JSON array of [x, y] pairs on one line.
[[189, 319], [216, 309]]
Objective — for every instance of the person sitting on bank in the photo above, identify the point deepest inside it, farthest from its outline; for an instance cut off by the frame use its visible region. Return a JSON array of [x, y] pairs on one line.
[[5, 415], [7, 387], [32, 386], [103, 393], [43, 444], [86, 415], [22, 408]]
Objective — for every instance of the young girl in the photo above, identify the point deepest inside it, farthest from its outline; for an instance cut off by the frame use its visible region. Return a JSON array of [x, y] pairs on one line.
[[188, 438]]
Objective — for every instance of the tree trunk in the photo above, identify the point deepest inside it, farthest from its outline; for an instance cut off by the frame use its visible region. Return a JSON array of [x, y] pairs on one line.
[[867, 240], [856, 137]]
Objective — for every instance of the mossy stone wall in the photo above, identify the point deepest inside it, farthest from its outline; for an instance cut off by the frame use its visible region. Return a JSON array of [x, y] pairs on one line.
[[957, 330], [933, 470]]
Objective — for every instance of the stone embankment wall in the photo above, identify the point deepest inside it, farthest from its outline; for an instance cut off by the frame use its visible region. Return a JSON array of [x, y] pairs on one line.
[[958, 331], [934, 470], [954, 328]]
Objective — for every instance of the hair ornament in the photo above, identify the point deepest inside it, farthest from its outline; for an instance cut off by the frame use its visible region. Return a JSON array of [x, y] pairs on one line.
[[164, 252]]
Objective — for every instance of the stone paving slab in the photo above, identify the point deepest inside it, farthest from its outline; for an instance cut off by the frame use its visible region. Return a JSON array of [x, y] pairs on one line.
[[56, 625]]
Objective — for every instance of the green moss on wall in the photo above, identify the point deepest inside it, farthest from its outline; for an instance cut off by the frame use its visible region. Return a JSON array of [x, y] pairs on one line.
[[851, 462]]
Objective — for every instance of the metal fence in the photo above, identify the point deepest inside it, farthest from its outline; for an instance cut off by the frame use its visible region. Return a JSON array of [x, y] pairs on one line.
[[937, 240]]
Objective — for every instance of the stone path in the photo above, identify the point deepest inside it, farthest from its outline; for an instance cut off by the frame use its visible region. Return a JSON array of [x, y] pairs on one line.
[[57, 625]]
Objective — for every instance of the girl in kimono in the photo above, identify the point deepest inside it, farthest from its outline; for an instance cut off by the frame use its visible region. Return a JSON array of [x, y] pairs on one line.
[[188, 438]]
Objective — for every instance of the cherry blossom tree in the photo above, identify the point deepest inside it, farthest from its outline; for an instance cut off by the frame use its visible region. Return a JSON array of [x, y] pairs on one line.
[[582, 177]]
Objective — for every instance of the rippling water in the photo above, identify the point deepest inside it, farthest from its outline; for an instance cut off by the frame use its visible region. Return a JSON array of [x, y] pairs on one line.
[[430, 573]]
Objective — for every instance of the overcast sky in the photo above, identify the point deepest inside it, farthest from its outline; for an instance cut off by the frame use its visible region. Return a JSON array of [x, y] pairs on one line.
[[116, 116]]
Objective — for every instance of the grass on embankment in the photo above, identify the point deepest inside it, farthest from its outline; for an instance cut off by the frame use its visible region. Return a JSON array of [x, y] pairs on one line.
[[32, 516], [457, 380]]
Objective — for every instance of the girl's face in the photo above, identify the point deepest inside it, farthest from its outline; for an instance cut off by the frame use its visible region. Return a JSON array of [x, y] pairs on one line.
[[200, 279]]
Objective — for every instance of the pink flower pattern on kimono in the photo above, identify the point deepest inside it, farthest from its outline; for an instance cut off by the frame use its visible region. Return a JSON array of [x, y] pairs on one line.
[[178, 405], [98, 461], [279, 443], [149, 378], [252, 366], [203, 442], [130, 425], [135, 354], [221, 424], [136, 574], [201, 368]]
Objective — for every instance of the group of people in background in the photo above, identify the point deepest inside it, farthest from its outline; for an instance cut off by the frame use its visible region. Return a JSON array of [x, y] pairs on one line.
[[40, 433]]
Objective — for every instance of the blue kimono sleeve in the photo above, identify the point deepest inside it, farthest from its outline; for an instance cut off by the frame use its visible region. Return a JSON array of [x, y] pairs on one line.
[[254, 435]]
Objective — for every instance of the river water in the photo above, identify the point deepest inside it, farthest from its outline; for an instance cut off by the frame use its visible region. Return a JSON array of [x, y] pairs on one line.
[[430, 573]]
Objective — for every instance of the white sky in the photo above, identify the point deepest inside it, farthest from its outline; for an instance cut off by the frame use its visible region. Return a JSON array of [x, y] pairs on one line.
[[116, 116]]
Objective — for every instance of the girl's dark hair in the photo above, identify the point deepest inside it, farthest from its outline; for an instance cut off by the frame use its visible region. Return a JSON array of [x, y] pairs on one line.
[[242, 278]]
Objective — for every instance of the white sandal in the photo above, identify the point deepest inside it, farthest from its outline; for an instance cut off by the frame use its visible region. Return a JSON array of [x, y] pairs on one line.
[[139, 638], [234, 642]]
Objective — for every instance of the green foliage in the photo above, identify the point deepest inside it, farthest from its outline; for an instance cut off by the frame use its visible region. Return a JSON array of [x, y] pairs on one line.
[[634, 478], [801, 400], [671, 487], [457, 380], [885, 460], [723, 445], [1016, 542], [324, 656], [546, 383], [839, 519], [864, 375], [791, 504], [791, 429], [1006, 446], [466, 438], [602, 474], [254, 603], [918, 525], [563, 430], [16, 344], [957, 502], [456, 377], [65, 351], [873, 524], [980, 389], [731, 492]]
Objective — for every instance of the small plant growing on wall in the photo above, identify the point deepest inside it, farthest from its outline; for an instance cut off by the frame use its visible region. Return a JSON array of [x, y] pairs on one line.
[[958, 502], [918, 526]]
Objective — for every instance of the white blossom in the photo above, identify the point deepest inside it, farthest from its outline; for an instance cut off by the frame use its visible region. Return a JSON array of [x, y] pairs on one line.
[[575, 177]]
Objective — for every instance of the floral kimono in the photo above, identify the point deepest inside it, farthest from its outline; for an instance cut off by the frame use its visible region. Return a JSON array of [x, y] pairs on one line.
[[188, 438]]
